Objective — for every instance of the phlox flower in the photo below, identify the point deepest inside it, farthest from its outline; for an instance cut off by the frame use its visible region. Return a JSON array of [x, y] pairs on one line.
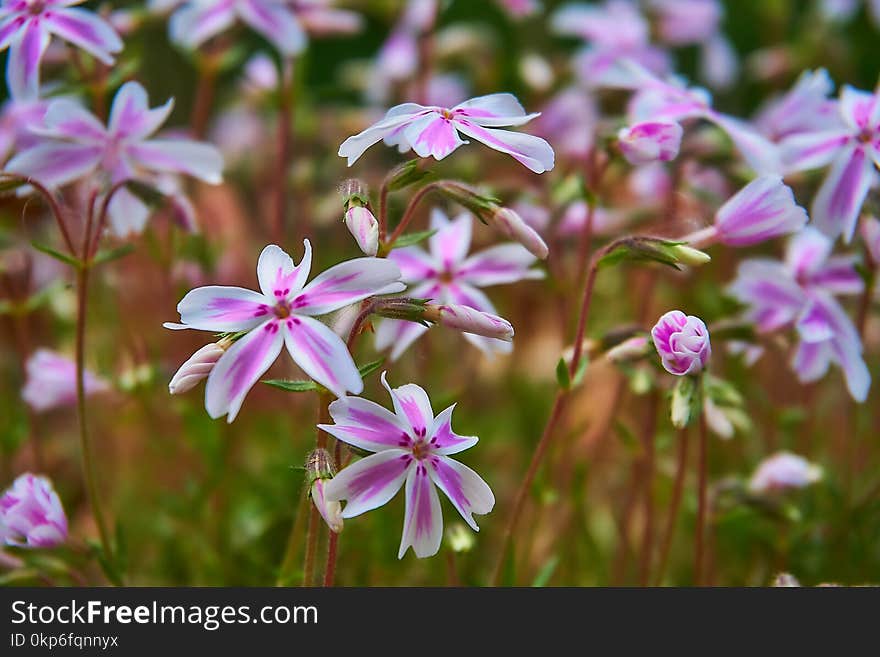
[[806, 107], [283, 314], [852, 150], [783, 471], [434, 131], [197, 21], [650, 141], [51, 381], [569, 119], [27, 26], [412, 448], [18, 118], [31, 514], [800, 293], [74, 144], [445, 274], [682, 342]]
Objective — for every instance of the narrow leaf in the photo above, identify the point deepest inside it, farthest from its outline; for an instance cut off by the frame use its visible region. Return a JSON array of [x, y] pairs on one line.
[[411, 238], [63, 257]]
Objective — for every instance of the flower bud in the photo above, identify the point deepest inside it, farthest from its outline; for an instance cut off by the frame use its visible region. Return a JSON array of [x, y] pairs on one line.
[[364, 228], [784, 471], [651, 141], [469, 320], [629, 350], [319, 469], [510, 224], [197, 367], [682, 342], [688, 255], [763, 209], [31, 514]]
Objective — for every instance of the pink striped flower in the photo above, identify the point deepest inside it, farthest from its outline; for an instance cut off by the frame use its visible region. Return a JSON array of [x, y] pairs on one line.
[[783, 471], [283, 314], [446, 275], [682, 342], [650, 141], [852, 150], [412, 449], [434, 131], [51, 381], [75, 145], [27, 26], [32, 515]]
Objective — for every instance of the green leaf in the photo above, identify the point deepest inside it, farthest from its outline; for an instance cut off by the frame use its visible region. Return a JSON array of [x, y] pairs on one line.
[[63, 257], [369, 368], [652, 249], [406, 174], [411, 238], [562, 376], [292, 385], [112, 254], [581, 370], [546, 572]]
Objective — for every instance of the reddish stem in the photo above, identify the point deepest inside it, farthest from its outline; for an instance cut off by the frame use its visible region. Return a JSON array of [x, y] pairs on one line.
[[674, 504]]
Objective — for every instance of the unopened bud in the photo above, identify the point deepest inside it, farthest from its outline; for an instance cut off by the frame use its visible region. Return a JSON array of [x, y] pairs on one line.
[[198, 367], [510, 224], [319, 469], [405, 308], [629, 350], [354, 192], [687, 255], [469, 320], [364, 228]]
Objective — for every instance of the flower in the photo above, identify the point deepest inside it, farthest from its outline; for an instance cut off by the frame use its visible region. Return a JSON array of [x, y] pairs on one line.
[[569, 119], [283, 313], [682, 342], [468, 320], [18, 118], [446, 276], [853, 150], [650, 141], [783, 471], [32, 513], [26, 27], [197, 21], [318, 17], [51, 381], [508, 222], [806, 107], [364, 228], [434, 131], [799, 293], [197, 367], [75, 144], [762, 210], [411, 445]]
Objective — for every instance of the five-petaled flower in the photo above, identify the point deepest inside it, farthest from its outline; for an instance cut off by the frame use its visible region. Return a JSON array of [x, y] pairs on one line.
[[283, 313], [26, 27], [411, 446], [434, 131], [446, 275], [75, 144]]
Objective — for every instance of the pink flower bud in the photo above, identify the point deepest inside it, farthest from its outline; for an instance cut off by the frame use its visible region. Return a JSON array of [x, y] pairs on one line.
[[331, 512], [682, 342], [364, 228], [763, 209], [784, 471], [509, 223], [650, 141], [198, 367], [51, 381], [629, 350], [31, 514], [470, 320]]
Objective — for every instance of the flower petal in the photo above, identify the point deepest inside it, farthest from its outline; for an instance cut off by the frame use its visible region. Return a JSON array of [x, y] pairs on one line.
[[321, 354], [279, 278], [353, 147], [494, 110], [397, 334], [811, 150], [367, 425], [505, 263], [240, 368], [807, 251], [23, 64], [533, 152], [55, 163], [423, 523], [370, 482], [762, 210], [450, 244], [857, 107], [347, 283], [275, 22], [412, 406], [466, 490], [128, 214], [444, 439], [195, 158], [86, 30], [196, 22], [811, 360], [67, 118], [415, 264], [432, 135], [131, 116], [759, 152], [220, 308], [839, 200]]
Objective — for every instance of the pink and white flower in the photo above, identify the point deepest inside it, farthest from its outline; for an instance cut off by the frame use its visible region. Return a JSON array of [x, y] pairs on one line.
[[412, 448], [51, 381], [197, 367], [783, 471], [31, 513], [446, 275], [27, 26], [799, 293], [806, 107], [434, 131], [364, 227], [283, 314], [18, 118], [852, 150], [650, 141], [197, 21], [75, 144], [682, 342]]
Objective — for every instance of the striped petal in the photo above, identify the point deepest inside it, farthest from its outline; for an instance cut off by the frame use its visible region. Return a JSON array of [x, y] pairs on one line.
[[466, 490], [321, 354], [347, 283], [369, 483], [423, 522], [367, 425], [219, 308]]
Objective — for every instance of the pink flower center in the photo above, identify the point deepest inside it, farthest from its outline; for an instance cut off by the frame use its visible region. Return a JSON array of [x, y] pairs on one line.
[[447, 114], [37, 8], [282, 310], [420, 449]]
